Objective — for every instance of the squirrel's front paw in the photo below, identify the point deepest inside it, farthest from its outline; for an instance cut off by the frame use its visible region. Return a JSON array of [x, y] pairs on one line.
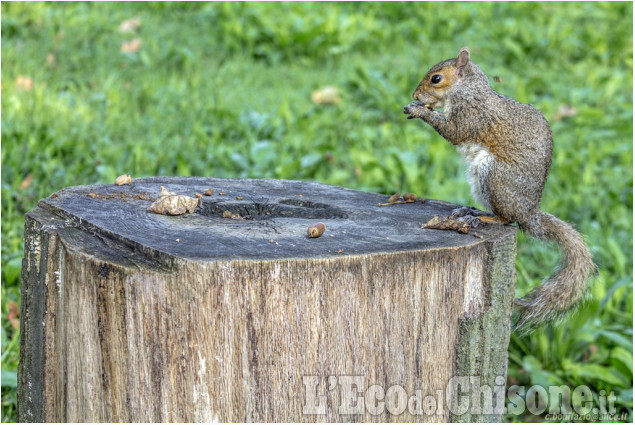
[[414, 110]]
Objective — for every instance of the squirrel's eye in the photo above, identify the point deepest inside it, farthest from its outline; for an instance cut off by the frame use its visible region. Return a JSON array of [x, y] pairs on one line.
[[436, 79]]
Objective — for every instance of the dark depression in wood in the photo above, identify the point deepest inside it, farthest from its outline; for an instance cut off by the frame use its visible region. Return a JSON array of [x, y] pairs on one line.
[[275, 217]]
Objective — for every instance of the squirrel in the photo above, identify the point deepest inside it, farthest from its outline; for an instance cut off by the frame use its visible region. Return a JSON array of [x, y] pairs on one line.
[[507, 146]]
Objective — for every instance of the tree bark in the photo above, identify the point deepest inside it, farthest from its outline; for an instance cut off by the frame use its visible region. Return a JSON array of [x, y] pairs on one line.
[[133, 316]]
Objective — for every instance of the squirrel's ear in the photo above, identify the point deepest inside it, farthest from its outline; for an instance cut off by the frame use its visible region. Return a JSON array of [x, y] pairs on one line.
[[462, 59]]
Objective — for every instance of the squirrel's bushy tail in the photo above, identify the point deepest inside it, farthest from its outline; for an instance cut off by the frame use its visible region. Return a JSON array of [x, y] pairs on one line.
[[567, 286]]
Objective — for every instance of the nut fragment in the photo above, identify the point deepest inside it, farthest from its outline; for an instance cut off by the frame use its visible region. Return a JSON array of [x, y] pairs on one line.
[[316, 230], [408, 198], [235, 216], [169, 203], [447, 223], [209, 192], [123, 179]]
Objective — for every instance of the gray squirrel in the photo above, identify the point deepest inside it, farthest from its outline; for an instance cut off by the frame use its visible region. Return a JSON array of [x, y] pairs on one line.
[[507, 146]]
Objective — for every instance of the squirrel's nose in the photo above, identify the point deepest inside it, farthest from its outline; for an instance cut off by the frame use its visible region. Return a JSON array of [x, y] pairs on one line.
[[418, 94]]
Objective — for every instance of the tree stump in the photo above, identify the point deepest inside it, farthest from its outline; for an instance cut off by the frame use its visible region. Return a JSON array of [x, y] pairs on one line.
[[133, 316]]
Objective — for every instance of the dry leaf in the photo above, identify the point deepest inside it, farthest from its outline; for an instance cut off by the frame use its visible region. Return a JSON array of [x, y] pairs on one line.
[[565, 111], [132, 46], [24, 83], [50, 59], [130, 25], [328, 95], [26, 182], [169, 203], [13, 315]]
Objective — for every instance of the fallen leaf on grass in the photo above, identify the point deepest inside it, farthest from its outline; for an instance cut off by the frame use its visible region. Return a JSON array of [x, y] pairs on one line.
[[130, 25], [51, 60], [328, 95], [565, 111], [24, 83], [26, 182], [131, 46], [13, 315]]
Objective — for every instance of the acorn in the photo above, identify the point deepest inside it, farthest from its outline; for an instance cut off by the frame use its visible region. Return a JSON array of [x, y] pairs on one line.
[[316, 230]]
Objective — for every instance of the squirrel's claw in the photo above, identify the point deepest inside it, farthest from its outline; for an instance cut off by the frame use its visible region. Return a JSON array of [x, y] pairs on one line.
[[463, 211], [413, 110], [471, 220]]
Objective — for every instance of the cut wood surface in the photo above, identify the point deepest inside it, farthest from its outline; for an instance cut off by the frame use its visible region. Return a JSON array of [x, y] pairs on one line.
[[134, 316]]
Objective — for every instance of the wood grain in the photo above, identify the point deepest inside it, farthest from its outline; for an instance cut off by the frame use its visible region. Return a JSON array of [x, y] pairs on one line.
[[130, 316]]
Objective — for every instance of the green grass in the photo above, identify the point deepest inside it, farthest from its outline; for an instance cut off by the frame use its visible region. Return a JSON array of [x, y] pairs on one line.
[[224, 89]]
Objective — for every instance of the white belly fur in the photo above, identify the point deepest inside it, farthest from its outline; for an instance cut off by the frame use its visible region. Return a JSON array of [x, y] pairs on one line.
[[479, 161]]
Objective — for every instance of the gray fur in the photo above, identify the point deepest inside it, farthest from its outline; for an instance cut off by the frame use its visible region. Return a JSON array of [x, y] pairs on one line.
[[507, 146]]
